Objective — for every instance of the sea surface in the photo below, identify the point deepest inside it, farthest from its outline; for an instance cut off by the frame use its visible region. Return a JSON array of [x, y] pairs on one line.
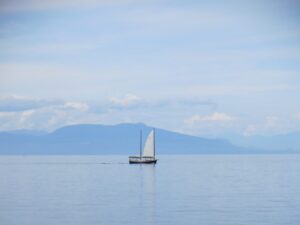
[[183, 190]]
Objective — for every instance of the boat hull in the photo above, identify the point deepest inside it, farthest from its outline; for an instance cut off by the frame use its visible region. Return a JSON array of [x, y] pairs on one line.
[[142, 160]]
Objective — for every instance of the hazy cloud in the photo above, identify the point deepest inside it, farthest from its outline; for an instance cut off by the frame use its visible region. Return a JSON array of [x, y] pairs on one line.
[[83, 107], [271, 125], [20, 112], [12, 103], [215, 117], [128, 100]]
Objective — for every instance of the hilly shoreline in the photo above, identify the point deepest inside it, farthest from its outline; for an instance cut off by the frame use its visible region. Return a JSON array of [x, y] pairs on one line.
[[121, 139]]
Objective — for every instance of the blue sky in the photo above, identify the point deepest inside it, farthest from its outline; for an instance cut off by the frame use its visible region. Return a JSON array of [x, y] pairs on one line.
[[208, 68]]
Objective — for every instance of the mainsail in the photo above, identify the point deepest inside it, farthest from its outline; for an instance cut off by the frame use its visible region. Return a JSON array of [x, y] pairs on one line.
[[149, 146]]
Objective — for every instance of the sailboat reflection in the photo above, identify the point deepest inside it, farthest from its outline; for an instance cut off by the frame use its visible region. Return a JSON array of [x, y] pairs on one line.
[[148, 193]]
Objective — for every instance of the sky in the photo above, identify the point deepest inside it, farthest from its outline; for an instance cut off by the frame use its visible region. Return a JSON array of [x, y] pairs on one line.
[[207, 68]]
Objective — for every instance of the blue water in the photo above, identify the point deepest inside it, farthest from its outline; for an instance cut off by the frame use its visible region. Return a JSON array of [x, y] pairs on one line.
[[202, 189]]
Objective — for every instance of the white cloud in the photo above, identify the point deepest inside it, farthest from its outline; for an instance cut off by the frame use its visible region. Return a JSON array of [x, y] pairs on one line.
[[215, 117], [127, 101], [21, 112], [15, 114], [47, 118], [83, 107], [271, 121], [15, 120], [11, 103], [26, 114]]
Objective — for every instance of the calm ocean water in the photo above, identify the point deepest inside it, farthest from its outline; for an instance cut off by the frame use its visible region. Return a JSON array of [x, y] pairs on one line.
[[202, 189]]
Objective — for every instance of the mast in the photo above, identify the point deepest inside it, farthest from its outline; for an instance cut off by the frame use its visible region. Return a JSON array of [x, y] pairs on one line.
[[141, 134], [154, 142]]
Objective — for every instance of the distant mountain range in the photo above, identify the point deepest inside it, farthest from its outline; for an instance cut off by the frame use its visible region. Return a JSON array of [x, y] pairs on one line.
[[114, 139]]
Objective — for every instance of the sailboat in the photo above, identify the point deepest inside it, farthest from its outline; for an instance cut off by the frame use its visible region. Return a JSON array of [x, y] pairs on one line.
[[148, 155]]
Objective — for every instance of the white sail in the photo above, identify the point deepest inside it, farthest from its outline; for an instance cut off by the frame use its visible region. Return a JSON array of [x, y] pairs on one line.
[[149, 146]]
